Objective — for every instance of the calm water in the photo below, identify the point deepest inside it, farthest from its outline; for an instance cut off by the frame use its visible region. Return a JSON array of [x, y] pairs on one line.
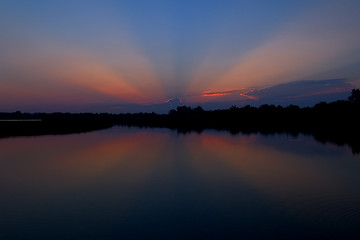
[[155, 184]]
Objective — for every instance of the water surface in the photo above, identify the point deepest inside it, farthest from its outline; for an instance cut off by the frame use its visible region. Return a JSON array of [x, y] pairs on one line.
[[132, 183]]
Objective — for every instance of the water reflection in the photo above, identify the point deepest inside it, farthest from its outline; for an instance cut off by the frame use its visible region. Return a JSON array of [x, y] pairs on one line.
[[153, 183], [300, 182], [79, 158]]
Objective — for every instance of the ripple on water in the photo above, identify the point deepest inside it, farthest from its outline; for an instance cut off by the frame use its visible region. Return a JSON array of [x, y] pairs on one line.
[[331, 211]]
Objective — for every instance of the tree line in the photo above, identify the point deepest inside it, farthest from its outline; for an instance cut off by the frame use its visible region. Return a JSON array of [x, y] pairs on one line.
[[337, 121]]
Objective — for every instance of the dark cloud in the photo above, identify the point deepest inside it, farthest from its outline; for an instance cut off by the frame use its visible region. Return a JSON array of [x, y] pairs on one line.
[[174, 102], [304, 93]]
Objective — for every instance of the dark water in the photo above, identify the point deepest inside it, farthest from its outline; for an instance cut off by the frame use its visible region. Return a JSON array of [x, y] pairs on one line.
[[155, 184]]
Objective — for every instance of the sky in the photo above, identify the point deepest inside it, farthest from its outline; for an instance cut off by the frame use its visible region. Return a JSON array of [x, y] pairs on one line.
[[129, 56]]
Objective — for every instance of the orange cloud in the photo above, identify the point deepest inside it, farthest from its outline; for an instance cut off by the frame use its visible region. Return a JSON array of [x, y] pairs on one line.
[[251, 97], [231, 95], [214, 94]]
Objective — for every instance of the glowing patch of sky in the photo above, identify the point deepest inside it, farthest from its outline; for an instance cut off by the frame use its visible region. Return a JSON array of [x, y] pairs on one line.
[[146, 52], [314, 42]]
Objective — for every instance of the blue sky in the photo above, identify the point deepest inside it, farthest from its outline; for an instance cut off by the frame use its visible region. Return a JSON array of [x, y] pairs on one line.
[[129, 55]]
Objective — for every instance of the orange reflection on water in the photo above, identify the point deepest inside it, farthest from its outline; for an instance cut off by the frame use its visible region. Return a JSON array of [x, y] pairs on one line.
[[65, 162], [273, 172], [304, 184], [102, 156]]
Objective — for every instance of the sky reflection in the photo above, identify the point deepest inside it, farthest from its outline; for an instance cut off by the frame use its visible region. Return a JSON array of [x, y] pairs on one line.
[[119, 181]]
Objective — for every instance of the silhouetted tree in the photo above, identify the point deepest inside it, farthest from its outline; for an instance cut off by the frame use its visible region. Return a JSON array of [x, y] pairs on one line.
[[267, 107], [183, 109], [320, 105], [198, 109], [172, 112], [292, 107], [355, 96]]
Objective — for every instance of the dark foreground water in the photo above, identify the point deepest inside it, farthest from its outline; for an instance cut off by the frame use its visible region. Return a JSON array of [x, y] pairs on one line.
[[155, 184]]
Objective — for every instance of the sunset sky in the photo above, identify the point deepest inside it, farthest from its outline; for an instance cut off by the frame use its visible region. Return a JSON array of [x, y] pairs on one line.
[[128, 56]]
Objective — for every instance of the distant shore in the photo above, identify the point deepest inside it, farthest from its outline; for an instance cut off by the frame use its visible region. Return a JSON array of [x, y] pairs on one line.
[[20, 120], [336, 122]]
